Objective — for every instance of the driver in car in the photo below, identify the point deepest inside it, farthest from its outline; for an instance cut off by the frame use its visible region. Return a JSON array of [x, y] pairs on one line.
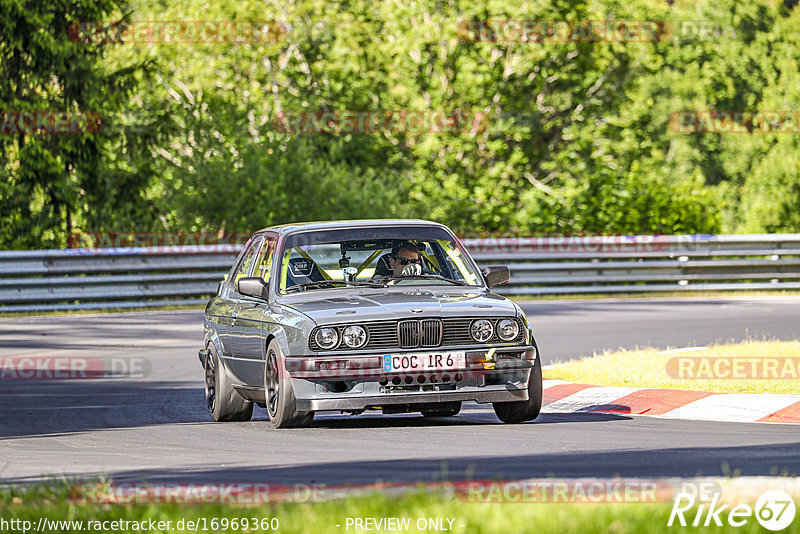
[[407, 261]]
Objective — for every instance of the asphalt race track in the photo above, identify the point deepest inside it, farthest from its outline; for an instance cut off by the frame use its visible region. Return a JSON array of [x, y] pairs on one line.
[[567, 329], [155, 428]]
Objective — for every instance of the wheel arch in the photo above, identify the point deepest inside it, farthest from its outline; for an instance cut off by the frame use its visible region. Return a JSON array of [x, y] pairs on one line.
[[213, 340], [267, 342], [276, 333]]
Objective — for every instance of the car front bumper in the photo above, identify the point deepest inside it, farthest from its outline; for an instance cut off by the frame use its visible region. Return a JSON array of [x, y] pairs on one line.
[[362, 402], [355, 383]]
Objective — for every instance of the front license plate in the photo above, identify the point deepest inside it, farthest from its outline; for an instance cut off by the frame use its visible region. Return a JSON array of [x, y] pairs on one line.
[[427, 361]]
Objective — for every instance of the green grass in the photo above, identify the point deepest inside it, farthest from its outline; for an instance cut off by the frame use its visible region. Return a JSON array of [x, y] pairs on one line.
[[323, 517], [648, 368]]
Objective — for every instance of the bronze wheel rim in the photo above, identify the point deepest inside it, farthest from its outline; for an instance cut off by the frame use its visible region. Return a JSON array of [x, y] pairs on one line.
[[211, 383], [272, 383]]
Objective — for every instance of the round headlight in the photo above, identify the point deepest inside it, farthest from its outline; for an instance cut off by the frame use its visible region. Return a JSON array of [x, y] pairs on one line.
[[507, 329], [481, 330], [354, 336], [326, 338]]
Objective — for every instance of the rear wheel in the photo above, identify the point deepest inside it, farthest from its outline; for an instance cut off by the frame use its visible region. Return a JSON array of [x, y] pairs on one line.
[[444, 409], [521, 411], [223, 403], [280, 399]]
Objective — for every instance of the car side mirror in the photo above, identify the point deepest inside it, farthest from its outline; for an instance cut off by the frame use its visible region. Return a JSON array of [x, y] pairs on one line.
[[496, 275], [253, 286]]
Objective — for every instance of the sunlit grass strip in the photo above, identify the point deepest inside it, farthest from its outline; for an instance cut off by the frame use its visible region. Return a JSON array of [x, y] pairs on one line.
[[332, 516], [648, 368]]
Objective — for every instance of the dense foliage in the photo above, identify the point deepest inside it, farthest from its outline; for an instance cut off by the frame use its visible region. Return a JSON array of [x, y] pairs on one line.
[[575, 134]]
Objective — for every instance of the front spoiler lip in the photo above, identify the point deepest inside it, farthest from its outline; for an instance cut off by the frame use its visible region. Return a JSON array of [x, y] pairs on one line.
[[364, 401]]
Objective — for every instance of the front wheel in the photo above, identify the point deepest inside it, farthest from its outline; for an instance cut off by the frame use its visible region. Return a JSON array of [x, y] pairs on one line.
[[521, 411], [223, 403], [279, 394]]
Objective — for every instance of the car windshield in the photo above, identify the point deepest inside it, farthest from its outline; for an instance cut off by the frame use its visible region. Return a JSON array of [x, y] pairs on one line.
[[374, 257]]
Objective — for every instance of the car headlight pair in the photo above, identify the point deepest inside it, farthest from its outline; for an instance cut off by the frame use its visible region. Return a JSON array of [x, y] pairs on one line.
[[482, 330], [354, 336]]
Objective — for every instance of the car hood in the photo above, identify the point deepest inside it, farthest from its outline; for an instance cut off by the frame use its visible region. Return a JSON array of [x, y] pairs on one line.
[[351, 305]]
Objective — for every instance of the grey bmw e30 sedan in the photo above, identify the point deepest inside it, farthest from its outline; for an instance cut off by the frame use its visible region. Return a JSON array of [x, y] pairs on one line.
[[348, 316]]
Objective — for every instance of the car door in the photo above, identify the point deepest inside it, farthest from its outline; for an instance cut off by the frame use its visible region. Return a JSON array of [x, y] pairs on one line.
[[248, 346], [227, 332], [223, 308]]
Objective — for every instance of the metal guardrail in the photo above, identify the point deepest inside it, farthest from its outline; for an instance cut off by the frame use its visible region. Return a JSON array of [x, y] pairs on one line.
[[87, 279]]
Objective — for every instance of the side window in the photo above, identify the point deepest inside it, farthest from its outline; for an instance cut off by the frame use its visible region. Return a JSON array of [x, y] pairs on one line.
[[247, 260], [264, 259]]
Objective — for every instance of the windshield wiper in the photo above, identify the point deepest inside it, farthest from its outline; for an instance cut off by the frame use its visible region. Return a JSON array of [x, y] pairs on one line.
[[332, 282], [425, 277]]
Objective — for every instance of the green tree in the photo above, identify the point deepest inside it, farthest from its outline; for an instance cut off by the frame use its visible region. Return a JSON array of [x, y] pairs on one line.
[[575, 136], [51, 183]]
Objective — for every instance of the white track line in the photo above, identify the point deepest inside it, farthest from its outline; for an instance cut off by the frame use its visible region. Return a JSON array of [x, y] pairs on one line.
[[590, 397], [550, 383], [737, 407]]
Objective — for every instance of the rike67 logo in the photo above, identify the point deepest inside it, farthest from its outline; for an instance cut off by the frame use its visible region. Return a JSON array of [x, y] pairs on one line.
[[774, 510]]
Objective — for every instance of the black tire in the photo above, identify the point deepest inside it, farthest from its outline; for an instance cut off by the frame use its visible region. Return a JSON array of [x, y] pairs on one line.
[[519, 412], [444, 409], [222, 401], [278, 392]]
